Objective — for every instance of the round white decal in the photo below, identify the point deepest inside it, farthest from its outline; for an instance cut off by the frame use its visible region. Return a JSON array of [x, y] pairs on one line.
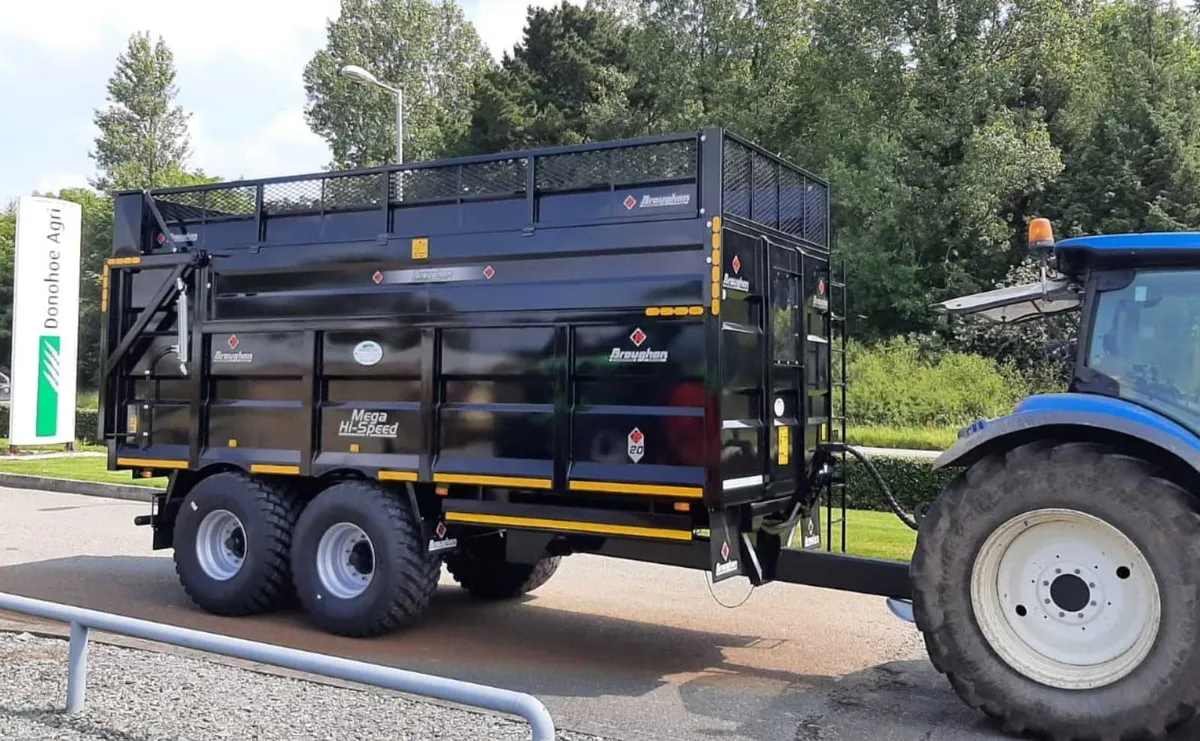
[[779, 407], [368, 352]]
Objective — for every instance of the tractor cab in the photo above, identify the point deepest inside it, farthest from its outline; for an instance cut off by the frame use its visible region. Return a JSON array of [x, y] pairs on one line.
[[1139, 294]]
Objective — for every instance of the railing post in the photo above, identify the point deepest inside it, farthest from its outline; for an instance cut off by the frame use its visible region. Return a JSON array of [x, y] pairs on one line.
[[77, 667]]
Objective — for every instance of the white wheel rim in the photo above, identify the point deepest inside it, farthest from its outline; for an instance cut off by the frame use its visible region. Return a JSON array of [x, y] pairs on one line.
[[221, 545], [1066, 599], [345, 560]]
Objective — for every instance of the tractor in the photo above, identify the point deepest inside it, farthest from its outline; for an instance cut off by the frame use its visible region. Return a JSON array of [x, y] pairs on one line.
[[1056, 579]]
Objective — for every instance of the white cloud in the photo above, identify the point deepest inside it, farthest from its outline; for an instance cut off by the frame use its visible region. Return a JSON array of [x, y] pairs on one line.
[[52, 182], [266, 32], [239, 62], [283, 145]]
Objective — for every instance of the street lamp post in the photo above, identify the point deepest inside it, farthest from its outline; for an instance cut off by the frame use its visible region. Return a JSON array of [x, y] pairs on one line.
[[360, 75]]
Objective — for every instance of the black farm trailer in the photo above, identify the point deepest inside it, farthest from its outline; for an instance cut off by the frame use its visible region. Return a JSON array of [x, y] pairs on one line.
[[636, 349], [628, 348]]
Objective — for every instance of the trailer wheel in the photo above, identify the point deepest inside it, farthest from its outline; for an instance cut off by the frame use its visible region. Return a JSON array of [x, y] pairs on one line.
[[483, 572], [361, 561], [1058, 588], [232, 538]]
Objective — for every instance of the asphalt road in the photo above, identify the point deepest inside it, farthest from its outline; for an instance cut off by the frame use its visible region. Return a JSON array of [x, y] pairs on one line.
[[622, 649]]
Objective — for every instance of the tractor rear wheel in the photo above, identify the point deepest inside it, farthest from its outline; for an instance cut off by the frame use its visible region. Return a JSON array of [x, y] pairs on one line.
[[1058, 587]]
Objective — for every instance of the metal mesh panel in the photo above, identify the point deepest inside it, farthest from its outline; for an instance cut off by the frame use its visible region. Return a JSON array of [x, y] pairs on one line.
[[353, 192], [736, 179], [501, 178], [296, 196], [792, 187], [199, 205], [236, 201], [648, 163], [816, 205], [429, 184], [764, 200], [773, 194]]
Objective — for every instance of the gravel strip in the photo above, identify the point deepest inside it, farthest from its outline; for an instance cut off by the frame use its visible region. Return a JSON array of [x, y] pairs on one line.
[[147, 696]]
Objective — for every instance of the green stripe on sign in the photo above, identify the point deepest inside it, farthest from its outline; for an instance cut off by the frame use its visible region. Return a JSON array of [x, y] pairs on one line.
[[47, 394]]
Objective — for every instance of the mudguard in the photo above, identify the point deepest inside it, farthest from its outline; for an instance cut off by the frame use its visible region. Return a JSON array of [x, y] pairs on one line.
[[1103, 414]]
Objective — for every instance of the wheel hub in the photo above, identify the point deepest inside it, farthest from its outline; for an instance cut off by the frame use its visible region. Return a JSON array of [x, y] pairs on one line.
[[1066, 599], [345, 560], [221, 545]]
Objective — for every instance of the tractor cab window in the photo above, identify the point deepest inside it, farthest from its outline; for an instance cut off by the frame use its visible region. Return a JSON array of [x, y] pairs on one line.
[[1146, 337]]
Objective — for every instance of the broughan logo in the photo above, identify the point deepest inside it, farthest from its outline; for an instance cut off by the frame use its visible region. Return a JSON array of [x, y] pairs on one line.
[[640, 355], [675, 199]]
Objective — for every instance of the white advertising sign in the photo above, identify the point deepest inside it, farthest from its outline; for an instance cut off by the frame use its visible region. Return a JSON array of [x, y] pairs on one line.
[[45, 325]]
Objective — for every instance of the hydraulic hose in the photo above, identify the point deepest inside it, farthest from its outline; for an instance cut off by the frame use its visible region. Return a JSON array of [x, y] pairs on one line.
[[905, 517]]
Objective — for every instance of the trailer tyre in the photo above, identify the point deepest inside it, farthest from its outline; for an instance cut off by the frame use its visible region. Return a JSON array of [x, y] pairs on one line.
[[1058, 587], [361, 561], [486, 575], [232, 538]]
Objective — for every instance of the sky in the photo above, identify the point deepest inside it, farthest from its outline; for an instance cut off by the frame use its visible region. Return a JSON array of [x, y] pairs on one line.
[[239, 66]]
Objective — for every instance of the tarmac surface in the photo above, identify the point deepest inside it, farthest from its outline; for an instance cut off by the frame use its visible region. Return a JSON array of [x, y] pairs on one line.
[[620, 649]]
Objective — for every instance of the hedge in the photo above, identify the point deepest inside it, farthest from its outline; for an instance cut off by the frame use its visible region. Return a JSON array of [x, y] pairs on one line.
[[913, 481], [87, 422]]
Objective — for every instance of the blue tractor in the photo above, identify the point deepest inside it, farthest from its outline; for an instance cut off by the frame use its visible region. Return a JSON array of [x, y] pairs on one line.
[[1056, 579]]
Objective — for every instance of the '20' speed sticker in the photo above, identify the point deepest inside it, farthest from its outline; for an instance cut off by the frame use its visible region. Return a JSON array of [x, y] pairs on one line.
[[637, 445]]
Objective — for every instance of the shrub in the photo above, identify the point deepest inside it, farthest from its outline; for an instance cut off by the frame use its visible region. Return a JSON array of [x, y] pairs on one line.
[[894, 384], [87, 423], [913, 482]]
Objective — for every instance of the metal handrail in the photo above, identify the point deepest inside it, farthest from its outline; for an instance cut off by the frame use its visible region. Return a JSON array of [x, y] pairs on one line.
[[441, 688]]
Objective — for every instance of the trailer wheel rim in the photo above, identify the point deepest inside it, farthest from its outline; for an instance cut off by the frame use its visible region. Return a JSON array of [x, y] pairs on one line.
[[345, 560], [1066, 599], [221, 545]]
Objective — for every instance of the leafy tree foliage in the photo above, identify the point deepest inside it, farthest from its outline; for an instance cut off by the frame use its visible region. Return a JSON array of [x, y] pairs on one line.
[[568, 81], [143, 141], [426, 48]]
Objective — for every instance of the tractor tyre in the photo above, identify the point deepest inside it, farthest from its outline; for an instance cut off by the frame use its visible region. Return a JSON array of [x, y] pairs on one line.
[[361, 561], [233, 533], [480, 569], [1057, 586]]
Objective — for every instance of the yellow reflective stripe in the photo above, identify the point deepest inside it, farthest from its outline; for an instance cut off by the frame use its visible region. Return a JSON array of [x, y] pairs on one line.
[[397, 476], [151, 463], [471, 518], [281, 470], [615, 487], [458, 478]]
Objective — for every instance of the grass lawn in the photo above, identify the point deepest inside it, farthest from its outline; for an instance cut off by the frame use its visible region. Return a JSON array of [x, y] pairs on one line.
[[873, 534], [79, 446], [910, 438], [79, 469]]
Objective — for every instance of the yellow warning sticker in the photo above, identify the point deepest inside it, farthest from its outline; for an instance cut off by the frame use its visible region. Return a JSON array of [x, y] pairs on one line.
[[785, 446], [420, 248]]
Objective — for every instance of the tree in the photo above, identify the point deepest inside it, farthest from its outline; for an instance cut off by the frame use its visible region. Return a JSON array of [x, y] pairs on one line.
[[426, 48], [144, 140], [1135, 164], [566, 82], [8, 237], [934, 121], [718, 62]]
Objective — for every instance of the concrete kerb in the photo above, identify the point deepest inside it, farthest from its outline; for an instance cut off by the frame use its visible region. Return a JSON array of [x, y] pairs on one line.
[[72, 486]]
